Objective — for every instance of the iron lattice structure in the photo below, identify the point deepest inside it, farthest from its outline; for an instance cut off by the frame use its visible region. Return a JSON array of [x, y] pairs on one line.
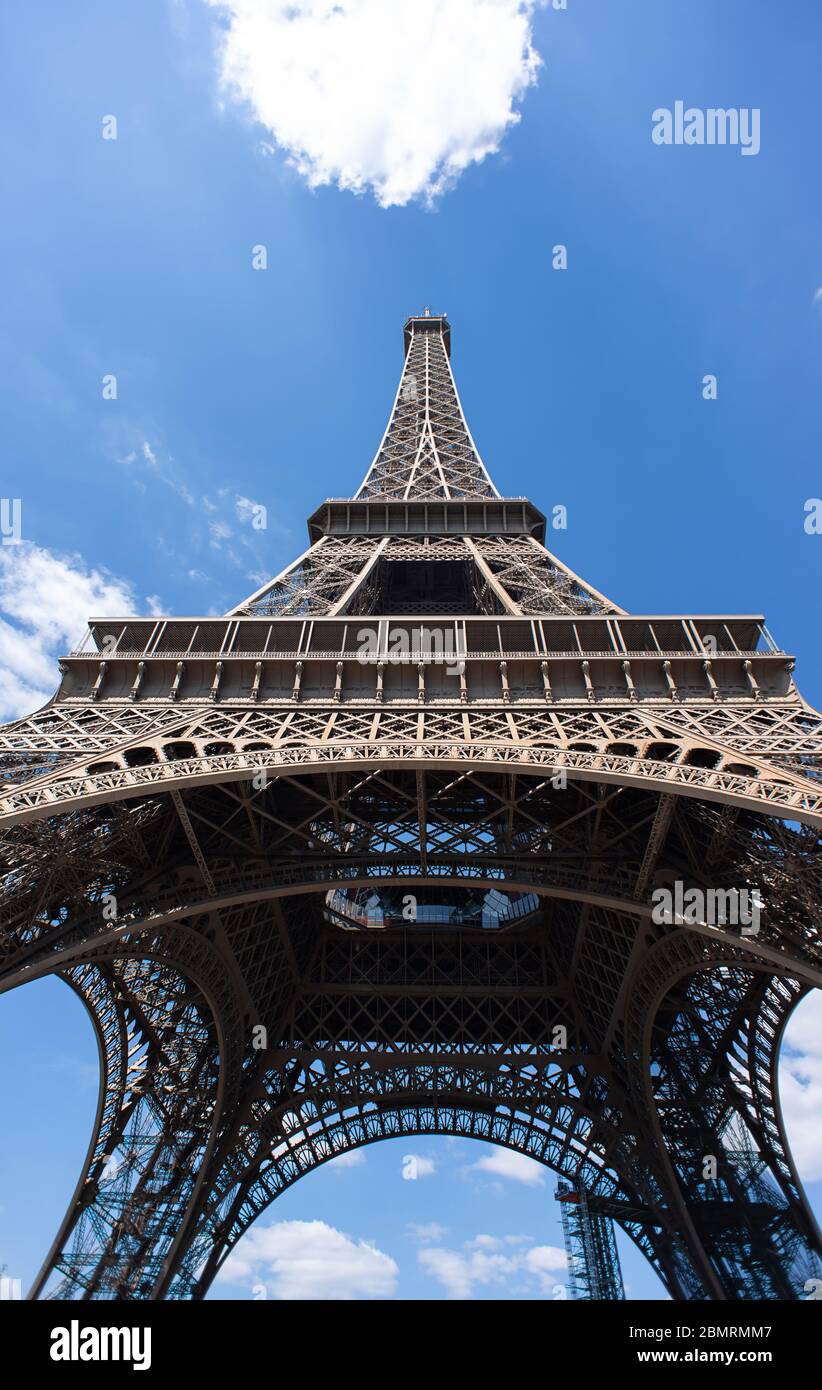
[[594, 1270], [216, 830]]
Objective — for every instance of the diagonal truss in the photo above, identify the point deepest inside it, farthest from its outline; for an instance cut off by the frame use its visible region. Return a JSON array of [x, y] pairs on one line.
[[427, 450]]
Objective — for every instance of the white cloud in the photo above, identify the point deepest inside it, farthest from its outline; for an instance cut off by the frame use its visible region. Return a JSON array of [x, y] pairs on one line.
[[398, 98], [545, 1261], [817, 296], [800, 1086], [309, 1259], [456, 1272], [486, 1242], [354, 1158], [429, 1233], [417, 1166], [46, 600], [483, 1262], [507, 1163], [483, 1242]]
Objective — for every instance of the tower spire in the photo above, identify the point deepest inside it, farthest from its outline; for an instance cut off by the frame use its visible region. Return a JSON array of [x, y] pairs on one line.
[[427, 450], [427, 480]]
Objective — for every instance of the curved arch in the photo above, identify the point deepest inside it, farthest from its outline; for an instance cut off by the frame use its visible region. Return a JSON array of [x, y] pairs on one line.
[[111, 1038], [156, 926], [769, 793], [465, 1116], [658, 985], [144, 1057], [95, 935], [410, 1131], [778, 1006]]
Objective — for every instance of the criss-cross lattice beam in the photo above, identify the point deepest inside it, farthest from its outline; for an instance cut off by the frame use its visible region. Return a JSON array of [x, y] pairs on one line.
[[427, 449]]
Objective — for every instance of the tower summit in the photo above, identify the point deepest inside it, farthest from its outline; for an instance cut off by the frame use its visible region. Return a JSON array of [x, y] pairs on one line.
[[427, 486], [387, 850]]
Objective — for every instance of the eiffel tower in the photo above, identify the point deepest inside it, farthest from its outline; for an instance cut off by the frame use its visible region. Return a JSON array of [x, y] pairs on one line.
[[380, 853]]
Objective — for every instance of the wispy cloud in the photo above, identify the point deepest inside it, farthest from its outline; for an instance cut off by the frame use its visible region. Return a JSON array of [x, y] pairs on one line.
[[248, 511], [428, 1234], [490, 1260], [354, 1158], [144, 460], [239, 529], [219, 531], [511, 1166], [397, 98]]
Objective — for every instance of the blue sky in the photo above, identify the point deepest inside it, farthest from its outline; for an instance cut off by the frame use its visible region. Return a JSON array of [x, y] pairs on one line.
[[133, 257]]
